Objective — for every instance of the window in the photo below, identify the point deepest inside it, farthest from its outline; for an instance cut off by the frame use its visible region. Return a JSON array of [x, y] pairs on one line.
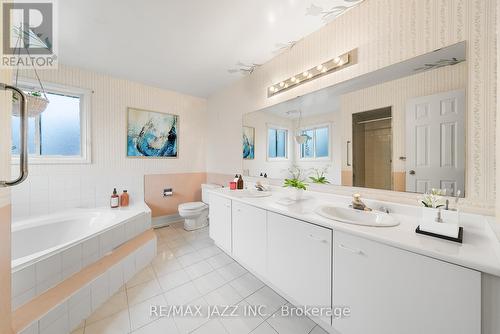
[[59, 133], [317, 145], [277, 141]]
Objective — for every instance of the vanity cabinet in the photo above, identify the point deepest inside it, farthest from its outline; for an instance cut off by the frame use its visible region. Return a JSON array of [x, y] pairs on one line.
[[300, 260], [250, 237], [220, 221], [392, 291]]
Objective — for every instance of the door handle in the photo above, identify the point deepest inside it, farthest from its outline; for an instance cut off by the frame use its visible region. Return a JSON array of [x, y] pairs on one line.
[[23, 153], [412, 172], [348, 158], [349, 249], [324, 241]]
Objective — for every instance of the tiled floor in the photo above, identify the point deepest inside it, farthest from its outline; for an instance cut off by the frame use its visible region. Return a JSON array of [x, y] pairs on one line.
[[190, 270]]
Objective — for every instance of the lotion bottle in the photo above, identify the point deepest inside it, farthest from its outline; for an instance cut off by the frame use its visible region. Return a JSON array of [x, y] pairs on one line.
[[115, 199]]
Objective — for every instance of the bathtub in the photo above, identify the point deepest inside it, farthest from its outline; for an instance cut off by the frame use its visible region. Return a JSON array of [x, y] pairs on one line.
[[48, 249]]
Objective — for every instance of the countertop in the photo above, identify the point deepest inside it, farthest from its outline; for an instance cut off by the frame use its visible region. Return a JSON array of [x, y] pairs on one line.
[[480, 249]]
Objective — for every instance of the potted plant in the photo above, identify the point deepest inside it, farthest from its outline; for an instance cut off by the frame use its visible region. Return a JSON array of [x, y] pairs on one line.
[[296, 183], [319, 175], [432, 201], [36, 103]]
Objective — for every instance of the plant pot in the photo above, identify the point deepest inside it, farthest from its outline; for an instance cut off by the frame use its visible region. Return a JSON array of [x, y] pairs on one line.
[[297, 194], [36, 105]]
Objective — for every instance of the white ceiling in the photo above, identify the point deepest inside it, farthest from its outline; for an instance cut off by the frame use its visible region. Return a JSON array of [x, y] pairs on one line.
[[191, 46]]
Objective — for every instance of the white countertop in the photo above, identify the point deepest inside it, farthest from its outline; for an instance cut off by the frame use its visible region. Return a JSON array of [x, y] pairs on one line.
[[480, 249]]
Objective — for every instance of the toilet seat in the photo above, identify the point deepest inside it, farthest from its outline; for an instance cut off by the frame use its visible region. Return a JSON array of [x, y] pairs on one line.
[[192, 206]]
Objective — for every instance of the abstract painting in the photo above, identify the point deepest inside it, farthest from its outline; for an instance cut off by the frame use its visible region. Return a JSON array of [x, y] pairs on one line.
[[152, 134], [248, 143]]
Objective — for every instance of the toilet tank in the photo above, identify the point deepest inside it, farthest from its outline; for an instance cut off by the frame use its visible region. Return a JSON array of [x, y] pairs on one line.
[[204, 191]]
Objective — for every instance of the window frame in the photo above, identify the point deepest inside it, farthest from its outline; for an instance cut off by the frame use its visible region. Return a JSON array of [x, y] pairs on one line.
[[85, 118], [287, 145], [314, 128]]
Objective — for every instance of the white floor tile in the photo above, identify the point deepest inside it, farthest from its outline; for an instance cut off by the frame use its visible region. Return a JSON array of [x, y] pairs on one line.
[[198, 269], [268, 298], [209, 282], [173, 280], [163, 267], [161, 326], [209, 251], [219, 260], [243, 323], [189, 259], [290, 324], [224, 296], [318, 330], [231, 271], [140, 314], [264, 328], [186, 324], [182, 294], [183, 249], [143, 291], [247, 284], [214, 326]]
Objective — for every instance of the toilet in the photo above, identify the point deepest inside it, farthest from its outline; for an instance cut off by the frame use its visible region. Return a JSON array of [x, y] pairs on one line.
[[195, 214]]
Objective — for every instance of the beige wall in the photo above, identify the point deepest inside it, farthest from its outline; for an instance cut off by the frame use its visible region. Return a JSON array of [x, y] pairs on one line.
[[385, 32]]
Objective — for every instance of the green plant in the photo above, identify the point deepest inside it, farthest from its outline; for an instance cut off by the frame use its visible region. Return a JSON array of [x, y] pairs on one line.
[[319, 176], [295, 181], [35, 93]]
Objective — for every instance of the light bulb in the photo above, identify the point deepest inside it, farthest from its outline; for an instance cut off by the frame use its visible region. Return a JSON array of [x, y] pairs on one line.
[[310, 76], [323, 70], [272, 89], [282, 84], [293, 79], [336, 60], [319, 67], [305, 74]]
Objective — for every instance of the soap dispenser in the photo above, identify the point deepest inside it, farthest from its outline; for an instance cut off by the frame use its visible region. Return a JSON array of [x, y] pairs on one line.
[[114, 200]]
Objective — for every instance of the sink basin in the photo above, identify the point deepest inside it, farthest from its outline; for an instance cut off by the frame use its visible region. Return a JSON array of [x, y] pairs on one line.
[[249, 193], [357, 217]]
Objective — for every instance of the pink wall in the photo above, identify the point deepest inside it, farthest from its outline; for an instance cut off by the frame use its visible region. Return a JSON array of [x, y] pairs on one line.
[[187, 188]]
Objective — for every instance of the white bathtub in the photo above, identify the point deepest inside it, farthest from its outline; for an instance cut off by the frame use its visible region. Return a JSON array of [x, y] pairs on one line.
[[49, 249]]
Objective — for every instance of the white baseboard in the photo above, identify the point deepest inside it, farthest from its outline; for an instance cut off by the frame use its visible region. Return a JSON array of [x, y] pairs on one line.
[[162, 221]]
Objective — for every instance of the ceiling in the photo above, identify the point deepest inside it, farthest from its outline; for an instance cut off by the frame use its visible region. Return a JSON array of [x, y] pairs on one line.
[[191, 46]]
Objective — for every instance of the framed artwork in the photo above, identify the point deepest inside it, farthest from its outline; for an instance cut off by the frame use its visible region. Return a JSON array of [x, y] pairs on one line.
[[152, 134], [248, 143]]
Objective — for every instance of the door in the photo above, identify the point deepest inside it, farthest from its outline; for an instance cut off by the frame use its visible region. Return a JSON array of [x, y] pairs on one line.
[[250, 237], [299, 261], [435, 143], [392, 291], [220, 221]]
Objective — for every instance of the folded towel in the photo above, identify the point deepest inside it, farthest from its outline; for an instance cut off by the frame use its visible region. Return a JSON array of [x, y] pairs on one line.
[[449, 230]]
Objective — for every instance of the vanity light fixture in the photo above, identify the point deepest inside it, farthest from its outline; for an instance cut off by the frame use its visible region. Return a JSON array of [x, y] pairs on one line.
[[331, 65]]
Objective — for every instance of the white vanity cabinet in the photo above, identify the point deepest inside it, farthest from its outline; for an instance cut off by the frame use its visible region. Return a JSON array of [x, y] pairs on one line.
[[300, 260], [220, 221], [392, 291], [250, 237]]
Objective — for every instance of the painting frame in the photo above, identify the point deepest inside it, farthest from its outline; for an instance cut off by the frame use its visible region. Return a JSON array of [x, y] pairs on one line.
[[152, 113], [249, 133]]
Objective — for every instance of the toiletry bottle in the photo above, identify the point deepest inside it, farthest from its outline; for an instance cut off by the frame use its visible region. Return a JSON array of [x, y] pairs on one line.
[[240, 182], [124, 198], [115, 199], [236, 178]]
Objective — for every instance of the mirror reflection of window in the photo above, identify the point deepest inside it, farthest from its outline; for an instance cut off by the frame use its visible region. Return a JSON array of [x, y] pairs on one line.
[[317, 144], [277, 143]]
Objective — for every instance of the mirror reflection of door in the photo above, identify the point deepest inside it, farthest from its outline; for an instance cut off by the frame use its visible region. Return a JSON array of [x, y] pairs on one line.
[[435, 139], [372, 149]]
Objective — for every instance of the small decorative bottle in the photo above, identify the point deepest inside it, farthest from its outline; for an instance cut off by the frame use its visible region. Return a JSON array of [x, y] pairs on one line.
[[124, 198], [240, 183], [115, 199]]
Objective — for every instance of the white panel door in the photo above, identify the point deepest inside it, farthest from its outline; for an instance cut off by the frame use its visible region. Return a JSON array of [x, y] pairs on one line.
[[392, 291], [250, 237], [300, 260], [220, 221], [435, 142]]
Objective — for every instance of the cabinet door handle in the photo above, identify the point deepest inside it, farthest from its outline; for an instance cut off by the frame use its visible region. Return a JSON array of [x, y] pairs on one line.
[[324, 241], [349, 249]]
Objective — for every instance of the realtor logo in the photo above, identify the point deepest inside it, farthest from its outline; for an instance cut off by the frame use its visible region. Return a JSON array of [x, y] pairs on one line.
[[29, 34]]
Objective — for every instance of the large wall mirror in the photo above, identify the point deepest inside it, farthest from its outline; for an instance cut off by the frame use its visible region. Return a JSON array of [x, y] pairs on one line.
[[399, 128]]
